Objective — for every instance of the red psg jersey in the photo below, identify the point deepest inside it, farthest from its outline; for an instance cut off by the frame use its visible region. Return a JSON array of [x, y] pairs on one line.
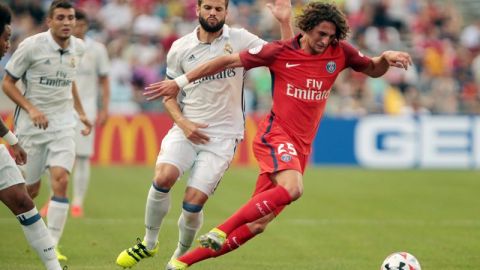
[[302, 82]]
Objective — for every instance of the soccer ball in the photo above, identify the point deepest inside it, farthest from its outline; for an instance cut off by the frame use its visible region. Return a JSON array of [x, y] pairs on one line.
[[400, 261]]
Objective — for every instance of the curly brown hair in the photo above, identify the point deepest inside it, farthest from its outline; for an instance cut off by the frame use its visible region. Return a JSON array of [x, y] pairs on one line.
[[316, 12]]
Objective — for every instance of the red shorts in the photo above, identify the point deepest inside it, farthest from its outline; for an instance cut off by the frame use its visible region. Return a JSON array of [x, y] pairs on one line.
[[275, 151]]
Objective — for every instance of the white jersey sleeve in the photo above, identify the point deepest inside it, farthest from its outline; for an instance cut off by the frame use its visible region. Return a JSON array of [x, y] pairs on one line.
[[249, 40], [21, 59], [103, 64], [174, 68]]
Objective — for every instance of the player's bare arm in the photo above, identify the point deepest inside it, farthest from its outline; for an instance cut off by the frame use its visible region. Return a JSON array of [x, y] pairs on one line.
[[170, 88], [103, 112], [282, 11], [77, 104], [38, 118], [387, 59], [191, 129]]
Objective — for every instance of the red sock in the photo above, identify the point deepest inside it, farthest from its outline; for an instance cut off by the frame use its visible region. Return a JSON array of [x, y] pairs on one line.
[[257, 207], [238, 237]]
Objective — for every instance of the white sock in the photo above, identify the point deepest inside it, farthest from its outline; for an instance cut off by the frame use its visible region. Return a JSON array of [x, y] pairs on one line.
[[188, 225], [57, 217], [37, 236], [158, 205], [81, 179]]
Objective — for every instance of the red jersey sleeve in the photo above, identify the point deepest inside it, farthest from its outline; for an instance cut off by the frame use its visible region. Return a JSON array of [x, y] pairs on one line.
[[354, 58], [263, 55]]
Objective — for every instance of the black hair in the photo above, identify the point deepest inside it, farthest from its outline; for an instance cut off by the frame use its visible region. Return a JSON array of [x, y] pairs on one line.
[[5, 17], [80, 15], [59, 4]]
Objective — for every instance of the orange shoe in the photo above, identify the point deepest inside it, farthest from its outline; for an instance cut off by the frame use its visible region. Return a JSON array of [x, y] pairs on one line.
[[76, 211], [44, 209]]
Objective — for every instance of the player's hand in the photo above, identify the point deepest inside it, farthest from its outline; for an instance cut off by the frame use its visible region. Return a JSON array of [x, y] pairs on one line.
[[39, 119], [19, 154], [398, 59], [102, 117], [87, 123], [192, 131], [167, 88], [281, 9]]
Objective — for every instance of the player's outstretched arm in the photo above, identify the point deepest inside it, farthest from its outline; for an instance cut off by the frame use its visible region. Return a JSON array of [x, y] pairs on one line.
[[282, 11], [190, 129], [77, 104], [170, 88], [38, 118], [387, 59]]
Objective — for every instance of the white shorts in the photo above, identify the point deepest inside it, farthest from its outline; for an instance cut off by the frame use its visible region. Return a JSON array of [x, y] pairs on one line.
[[207, 162], [84, 144], [9, 173], [55, 149]]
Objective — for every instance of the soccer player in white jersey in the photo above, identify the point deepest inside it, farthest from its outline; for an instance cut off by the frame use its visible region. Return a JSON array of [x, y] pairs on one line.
[[12, 185], [92, 77], [207, 128], [45, 122]]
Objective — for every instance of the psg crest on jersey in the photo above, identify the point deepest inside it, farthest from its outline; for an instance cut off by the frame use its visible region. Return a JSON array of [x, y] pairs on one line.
[[331, 67], [286, 157]]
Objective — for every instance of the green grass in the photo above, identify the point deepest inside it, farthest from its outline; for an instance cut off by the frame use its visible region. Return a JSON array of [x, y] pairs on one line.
[[347, 219]]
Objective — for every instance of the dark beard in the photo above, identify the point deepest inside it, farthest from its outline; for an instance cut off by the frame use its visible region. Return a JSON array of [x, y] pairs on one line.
[[209, 28]]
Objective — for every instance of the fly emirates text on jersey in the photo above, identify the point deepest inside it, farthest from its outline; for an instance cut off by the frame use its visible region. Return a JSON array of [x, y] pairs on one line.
[[313, 92]]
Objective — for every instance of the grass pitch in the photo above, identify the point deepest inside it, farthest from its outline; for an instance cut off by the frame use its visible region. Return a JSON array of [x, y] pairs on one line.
[[347, 219]]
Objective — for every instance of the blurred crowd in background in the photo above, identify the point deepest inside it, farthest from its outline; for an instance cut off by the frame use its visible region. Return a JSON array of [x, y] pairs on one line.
[[445, 78]]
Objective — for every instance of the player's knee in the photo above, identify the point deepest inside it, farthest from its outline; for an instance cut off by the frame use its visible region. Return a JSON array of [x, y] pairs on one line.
[[257, 227], [23, 203], [62, 182], [295, 192], [33, 191], [165, 178]]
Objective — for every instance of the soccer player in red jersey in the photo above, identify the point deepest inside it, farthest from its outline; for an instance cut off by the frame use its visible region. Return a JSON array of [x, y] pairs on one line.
[[303, 71]]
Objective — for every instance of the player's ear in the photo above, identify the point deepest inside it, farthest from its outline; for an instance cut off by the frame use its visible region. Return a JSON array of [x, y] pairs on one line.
[[49, 21], [197, 10]]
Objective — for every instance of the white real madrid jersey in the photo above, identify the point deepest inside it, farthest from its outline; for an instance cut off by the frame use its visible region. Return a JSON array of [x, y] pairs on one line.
[[216, 100], [94, 64], [46, 72]]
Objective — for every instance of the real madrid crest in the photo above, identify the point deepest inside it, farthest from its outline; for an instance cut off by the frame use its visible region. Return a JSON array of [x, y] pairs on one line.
[[331, 67], [228, 49], [72, 62]]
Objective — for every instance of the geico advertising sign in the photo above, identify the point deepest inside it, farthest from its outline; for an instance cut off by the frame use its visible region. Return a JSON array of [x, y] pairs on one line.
[[427, 142]]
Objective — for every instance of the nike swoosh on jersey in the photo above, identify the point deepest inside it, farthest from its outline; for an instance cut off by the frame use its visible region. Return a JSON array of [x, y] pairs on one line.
[[288, 65]]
